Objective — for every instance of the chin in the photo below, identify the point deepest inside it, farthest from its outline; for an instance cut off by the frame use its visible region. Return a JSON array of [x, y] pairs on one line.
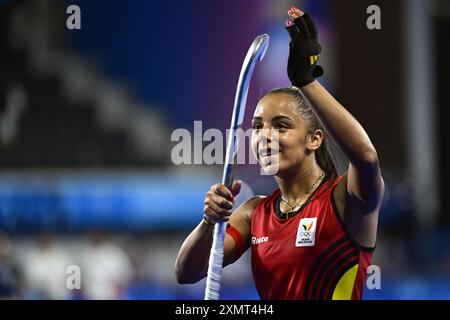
[[270, 170], [273, 168]]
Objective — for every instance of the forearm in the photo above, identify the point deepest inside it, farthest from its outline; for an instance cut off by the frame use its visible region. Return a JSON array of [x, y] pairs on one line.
[[192, 261], [345, 130]]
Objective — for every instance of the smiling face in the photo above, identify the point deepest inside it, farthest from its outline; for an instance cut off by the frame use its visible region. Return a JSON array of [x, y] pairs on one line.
[[281, 139]]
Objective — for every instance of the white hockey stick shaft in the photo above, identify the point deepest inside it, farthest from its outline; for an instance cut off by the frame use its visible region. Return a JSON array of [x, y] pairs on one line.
[[255, 53]]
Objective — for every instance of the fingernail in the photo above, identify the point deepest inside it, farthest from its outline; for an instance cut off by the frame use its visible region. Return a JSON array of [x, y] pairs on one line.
[[294, 8], [288, 23]]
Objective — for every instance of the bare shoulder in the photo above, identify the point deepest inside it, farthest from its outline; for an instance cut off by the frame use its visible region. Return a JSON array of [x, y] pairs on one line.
[[246, 209]]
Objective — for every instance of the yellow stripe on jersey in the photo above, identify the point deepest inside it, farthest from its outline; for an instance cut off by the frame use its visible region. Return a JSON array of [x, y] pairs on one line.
[[344, 288]]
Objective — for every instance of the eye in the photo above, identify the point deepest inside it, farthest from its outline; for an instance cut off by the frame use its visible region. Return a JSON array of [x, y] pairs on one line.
[[257, 126], [281, 126]]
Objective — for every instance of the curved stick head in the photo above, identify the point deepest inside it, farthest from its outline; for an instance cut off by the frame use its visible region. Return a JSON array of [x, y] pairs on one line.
[[261, 43]]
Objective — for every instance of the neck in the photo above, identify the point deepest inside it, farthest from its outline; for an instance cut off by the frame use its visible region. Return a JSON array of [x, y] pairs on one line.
[[297, 185]]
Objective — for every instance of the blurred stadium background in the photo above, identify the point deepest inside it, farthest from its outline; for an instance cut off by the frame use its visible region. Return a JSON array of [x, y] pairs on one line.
[[86, 118]]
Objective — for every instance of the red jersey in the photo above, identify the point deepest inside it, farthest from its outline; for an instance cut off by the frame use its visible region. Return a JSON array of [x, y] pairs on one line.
[[308, 256]]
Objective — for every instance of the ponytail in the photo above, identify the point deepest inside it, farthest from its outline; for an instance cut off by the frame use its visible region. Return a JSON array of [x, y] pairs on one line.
[[325, 161]]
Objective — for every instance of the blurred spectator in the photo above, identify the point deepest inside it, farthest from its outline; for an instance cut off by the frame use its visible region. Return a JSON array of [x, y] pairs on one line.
[[106, 269], [45, 270], [10, 276]]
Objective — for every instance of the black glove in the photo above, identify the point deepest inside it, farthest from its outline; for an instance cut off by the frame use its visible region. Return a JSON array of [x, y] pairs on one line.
[[304, 52]]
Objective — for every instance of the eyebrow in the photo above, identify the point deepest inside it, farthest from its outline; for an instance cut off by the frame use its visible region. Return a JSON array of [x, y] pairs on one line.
[[276, 118]]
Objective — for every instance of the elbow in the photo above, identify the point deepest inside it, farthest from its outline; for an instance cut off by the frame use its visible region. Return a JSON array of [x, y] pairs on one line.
[[179, 274], [184, 280], [182, 277], [368, 158]]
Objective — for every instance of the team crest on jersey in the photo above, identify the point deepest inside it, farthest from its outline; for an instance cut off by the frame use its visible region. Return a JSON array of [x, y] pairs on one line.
[[306, 232]]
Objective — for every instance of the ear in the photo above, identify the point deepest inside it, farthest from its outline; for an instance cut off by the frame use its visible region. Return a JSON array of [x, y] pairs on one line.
[[314, 140]]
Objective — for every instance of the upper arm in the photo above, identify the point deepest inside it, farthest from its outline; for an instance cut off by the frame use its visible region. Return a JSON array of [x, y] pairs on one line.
[[241, 221], [365, 183], [358, 198]]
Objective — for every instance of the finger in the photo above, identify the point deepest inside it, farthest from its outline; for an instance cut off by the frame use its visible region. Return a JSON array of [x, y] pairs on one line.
[[293, 31], [302, 27], [296, 11], [210, 212], [311, 25], [288, 23], [214, 216], [236, 187], [216, 208], [293, 15], [222, 190], [220, 202]]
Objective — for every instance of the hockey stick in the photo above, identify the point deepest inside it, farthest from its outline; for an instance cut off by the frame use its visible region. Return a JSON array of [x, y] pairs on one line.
[[254, 54]]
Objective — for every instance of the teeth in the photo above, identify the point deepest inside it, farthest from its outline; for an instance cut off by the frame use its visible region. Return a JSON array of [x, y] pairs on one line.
[[265, 153]]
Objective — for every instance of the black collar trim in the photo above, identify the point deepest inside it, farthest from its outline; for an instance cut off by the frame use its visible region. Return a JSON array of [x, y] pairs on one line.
[[289, 215]]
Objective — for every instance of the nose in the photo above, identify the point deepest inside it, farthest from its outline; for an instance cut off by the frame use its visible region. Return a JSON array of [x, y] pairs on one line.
[[264, 137], [269, 134], [268, 137], [265, 133]]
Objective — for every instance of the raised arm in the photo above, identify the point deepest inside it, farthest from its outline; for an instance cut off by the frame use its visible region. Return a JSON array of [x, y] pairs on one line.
[[359, 194], [364, 179]]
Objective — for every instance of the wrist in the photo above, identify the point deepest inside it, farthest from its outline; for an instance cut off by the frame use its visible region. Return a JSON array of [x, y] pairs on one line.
[[207, 221], [308, 86], [301, 78]]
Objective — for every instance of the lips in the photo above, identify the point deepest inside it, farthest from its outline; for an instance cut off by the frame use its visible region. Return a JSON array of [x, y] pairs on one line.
[[267, 152]]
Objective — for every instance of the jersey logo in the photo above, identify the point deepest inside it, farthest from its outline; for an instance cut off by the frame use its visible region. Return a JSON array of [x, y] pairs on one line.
[[306, 232], [256, 240]]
